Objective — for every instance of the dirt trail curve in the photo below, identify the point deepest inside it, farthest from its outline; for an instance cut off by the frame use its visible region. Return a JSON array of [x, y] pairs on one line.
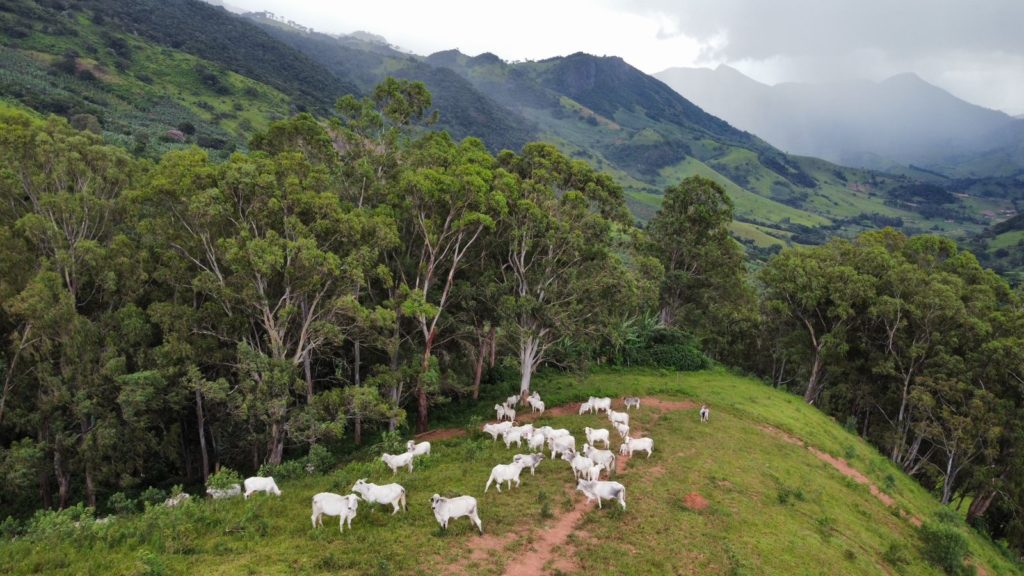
[[844, 468]]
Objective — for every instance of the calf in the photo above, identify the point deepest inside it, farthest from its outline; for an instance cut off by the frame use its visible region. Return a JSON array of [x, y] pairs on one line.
[[392, 494], [594, 473], [579, 463], [536, 440], [447, 508], [260, 484], [705, 413], [602, 490], [622, 429], [513, 435], [536, 405], [330, 504]]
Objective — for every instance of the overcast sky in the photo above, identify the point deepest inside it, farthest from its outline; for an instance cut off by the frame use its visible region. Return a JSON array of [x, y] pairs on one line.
[[973, 48]]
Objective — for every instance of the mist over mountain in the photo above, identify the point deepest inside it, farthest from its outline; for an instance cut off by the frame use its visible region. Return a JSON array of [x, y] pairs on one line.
[[900, 120]]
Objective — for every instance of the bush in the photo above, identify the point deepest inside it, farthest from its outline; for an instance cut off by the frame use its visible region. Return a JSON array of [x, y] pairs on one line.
[[285, 470], [945, 547], [223, 479], [319, 460], [120, 503], [667, 348], [11, 527], [897, 554], [153, 496]]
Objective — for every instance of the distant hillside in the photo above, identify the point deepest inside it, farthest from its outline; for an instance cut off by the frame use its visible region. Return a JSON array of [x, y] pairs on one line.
[[902, 120], [368, 59]]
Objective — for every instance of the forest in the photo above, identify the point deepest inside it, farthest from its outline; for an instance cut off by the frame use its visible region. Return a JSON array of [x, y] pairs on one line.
[[348, 276]]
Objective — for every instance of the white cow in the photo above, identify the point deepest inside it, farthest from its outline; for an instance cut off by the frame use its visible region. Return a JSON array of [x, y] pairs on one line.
[[620, 417], [396, 461], [604, 457], [536, 440], [218, 493], [512, 401], [634, 444], [550, 432], [632, 402], [601, 404], [586, 406], [622, 429], [505, 473], [595, 435], [561, 444], [529, 460], [392, 494], [502, 410], [579, 463], [513, 435], [705, 413], [261, 484], [330, 504], [421, 449], [447, 508], [594, 473], [496, 430], [536, 405], [602, 490]]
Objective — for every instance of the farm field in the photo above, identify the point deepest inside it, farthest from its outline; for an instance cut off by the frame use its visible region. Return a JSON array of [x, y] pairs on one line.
[[768, 486]]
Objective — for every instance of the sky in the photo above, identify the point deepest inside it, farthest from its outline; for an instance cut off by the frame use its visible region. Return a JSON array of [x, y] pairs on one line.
[[972, 48]]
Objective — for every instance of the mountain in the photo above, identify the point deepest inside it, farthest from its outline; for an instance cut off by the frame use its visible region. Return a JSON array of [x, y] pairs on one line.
[[152, 76], [367, 59], [901, 120], [768, 486]]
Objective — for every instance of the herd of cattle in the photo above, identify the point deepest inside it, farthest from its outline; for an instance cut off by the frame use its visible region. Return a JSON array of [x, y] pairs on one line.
[[587, 465]]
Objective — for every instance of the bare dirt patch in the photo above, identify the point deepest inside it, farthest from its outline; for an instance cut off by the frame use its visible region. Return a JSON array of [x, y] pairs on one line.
[[543, 548], [440, 434], [695, 501], [668, 404]]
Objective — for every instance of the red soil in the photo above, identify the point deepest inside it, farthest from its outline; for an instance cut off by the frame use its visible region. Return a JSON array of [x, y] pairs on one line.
[[695, 501]]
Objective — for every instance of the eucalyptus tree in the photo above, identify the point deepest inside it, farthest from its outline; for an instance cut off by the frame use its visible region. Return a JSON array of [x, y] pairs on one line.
[[273, 258], [557, 240]]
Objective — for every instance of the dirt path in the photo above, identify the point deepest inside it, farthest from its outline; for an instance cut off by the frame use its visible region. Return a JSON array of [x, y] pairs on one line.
[[844, 468], [550, 545]]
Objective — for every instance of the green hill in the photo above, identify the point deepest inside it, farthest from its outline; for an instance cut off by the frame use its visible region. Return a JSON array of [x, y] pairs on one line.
[[768, 486]]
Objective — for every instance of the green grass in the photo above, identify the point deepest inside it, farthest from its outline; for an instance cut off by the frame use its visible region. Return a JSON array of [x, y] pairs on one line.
[[774, 508]]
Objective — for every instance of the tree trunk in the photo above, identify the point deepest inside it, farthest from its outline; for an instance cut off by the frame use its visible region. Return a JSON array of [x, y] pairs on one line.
[[307, 370], [666, 317], [815, 381], [980, 505], [394, 363], [358, 431], [275, 451], [478, 368], [948, 480], [45, 494], [493, 339], [528, 349], [90, 486], [63, 480], [422, 405], [356, 377], [201, 427]]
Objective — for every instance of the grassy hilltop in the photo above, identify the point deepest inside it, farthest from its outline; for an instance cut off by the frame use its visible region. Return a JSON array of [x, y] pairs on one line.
[[758, 490]]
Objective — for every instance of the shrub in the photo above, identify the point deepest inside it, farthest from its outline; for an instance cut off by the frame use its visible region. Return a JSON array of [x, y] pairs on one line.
[[944, 546], [153, 496], [285, 470], [319, 460], [122, 504], [897, 554], [11, 527], [223, 478]]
